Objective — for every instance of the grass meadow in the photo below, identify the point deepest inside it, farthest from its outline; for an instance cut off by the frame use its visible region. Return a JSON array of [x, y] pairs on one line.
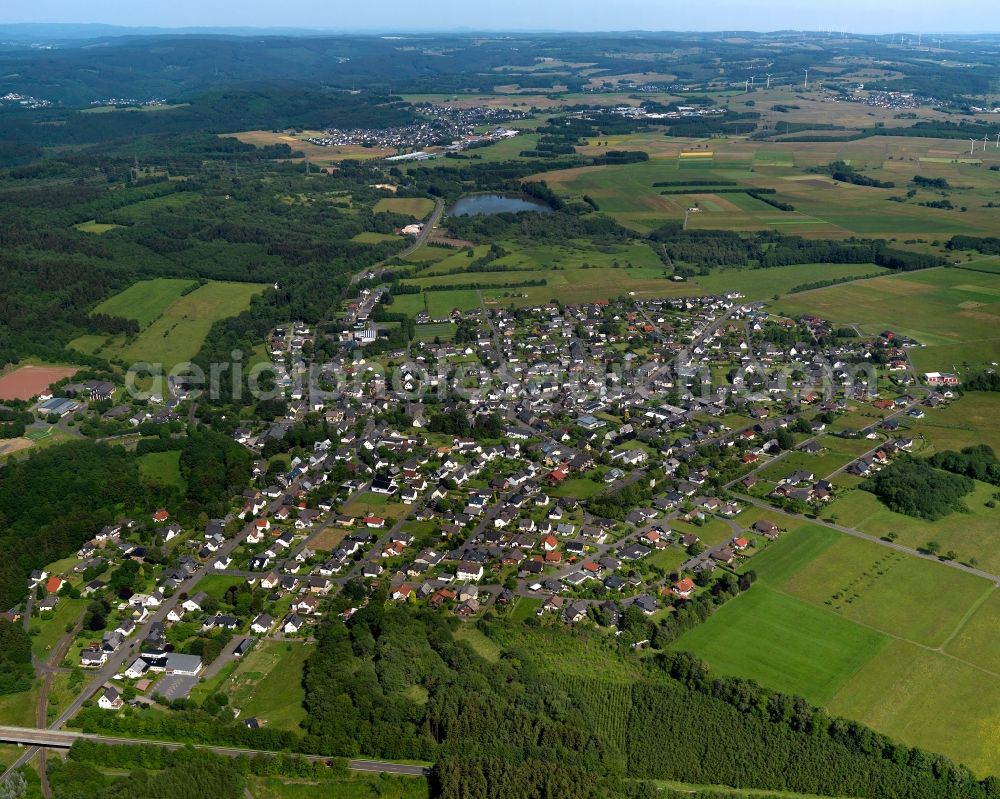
[[146, 300], [954, 312], [163, 468], [175, 326], [418, 207], [900, 643]]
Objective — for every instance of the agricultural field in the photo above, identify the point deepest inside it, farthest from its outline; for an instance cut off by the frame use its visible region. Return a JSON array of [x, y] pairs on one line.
[[439, 304], [317, 154], [822, 207], [757, 284], [951, 311], [784, 643], [870, 633], [177, 332], [146, 300], [25, 382], [966, 422], [369, 237], [970, 536], [443, 331], [418, 207]]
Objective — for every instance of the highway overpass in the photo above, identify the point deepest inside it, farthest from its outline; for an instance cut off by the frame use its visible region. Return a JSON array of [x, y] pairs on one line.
[[63, 739]]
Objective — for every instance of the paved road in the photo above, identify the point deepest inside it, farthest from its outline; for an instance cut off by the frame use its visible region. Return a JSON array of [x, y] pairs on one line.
[[63, 739]]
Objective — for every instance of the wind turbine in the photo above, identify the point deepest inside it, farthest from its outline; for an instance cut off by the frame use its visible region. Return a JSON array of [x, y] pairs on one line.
[[985, 137], [972, 146], [998, 141], [769, 81], [806, 84]]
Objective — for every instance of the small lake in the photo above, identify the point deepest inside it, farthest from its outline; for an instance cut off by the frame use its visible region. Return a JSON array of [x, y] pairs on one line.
[[479, 204]]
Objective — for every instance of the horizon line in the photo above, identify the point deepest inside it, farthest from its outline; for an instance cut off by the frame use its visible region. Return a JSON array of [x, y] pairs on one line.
[[468, 30]]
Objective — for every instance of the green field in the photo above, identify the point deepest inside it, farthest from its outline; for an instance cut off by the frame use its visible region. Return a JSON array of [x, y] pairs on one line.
[[67, 611], [578, 488], [445, 331], [953, 311], [967, 422], [19, 709], [178, 331], [439, 304], [267, 684], [216, 585], [418, 207], [970, 535], [870, 633], [163, 468], [374, 238], [762, 284], [928, 699], [146, 300], [783, 642], [92, 226]]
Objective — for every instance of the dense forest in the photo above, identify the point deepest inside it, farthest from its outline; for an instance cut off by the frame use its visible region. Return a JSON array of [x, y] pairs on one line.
[[16, 672], [978, 462], [57, 499], [215, 225]]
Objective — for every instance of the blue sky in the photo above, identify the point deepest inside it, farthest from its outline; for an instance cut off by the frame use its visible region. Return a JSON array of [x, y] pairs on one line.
[[867, 16]]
